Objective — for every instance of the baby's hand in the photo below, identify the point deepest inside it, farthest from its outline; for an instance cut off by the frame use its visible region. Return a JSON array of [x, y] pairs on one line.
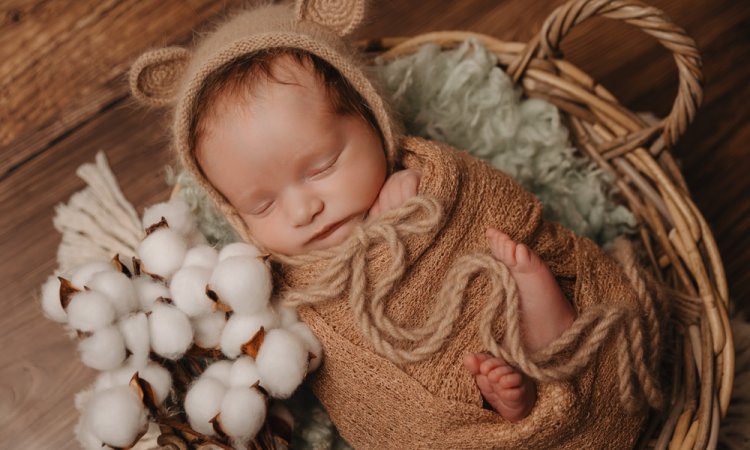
[[398, 188]]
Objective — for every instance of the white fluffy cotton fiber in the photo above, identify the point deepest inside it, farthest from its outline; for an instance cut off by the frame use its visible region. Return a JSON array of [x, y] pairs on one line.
[[240, 328], [282, 363], [116, 416], [162, 252], [103, 350], [203, 402], [170, 329], [118, 289], [188, 291], [243, 411], [90, 311], [242, 282]]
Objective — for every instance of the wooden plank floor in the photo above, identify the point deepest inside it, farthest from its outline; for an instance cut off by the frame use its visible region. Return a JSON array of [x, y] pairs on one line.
[[63, 97]]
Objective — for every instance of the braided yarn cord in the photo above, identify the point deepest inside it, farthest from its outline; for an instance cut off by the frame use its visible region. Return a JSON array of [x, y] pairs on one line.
[[637, 335]]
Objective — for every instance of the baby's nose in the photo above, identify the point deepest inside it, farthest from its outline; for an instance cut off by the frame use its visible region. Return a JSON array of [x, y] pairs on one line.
[[302, 207]]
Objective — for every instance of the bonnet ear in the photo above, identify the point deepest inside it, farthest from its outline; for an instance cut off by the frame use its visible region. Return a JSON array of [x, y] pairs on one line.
[[154, 76], [342, 16]]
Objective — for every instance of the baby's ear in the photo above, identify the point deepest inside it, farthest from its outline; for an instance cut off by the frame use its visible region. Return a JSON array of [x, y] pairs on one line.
[[155, 74], [342, 16]]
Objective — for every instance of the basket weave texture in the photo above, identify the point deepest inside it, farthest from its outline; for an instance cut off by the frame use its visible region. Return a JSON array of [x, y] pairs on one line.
[[680, 246]]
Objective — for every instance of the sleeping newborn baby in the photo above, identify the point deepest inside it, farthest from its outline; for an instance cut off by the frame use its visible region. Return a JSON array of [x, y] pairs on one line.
[[303, 171], [277, 120]]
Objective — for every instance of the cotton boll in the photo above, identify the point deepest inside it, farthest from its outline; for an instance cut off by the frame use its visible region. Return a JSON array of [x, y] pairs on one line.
[[177, 214], [83, 274], [188, 291], [219, 370], [118, 288], [116, 416], [282, 362], [147, 291], [203, 403], [240, 328], [243, 411], [208, 329], [51, 305], [86, 437], [159, 378], [135, 331], [90, 311], [106, 380], [162, 252], [170, 330], [312, 345], [244, 283], [238, 249], [287, 315], [244, 372], [119, 376], [103, 350], [201, 256]]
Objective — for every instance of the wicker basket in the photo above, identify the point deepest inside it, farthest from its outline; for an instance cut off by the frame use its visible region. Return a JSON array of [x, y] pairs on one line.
[[681, 248], [680, 245]]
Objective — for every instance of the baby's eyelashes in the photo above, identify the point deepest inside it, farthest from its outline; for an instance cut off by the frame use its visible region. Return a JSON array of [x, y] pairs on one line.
[[324, 169], [262, 208]]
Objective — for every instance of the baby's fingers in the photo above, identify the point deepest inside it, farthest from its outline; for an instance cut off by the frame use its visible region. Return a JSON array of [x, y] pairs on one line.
[[410, 185]]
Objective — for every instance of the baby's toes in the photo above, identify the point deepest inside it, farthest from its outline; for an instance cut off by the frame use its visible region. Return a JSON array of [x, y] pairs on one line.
[[511, 380], [486, 387], [471, 362], [527, 260], [499, 373], [511, 396], [501, 246], [490, 364]]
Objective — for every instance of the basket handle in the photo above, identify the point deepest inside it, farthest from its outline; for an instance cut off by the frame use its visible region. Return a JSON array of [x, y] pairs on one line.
[[649, 19]]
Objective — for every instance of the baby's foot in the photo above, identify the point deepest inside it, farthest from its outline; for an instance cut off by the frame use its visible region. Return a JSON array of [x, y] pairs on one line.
[[509, 392], [545, 312], [518, 257]]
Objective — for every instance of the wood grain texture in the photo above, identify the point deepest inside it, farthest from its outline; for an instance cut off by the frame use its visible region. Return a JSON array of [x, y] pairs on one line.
[[64, 61], [63, 97]]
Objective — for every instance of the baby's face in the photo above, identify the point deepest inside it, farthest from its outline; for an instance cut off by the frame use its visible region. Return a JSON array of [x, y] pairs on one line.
[[301, 176]]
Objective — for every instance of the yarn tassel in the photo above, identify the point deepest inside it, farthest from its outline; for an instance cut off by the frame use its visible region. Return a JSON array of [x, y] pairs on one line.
[[98, 221]]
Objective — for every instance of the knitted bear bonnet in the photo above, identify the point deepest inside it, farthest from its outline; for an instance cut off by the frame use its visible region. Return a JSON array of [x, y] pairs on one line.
[[175, 76]]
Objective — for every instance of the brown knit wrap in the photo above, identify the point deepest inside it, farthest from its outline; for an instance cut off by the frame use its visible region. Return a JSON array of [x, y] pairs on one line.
[[434, 402], [175, 76]]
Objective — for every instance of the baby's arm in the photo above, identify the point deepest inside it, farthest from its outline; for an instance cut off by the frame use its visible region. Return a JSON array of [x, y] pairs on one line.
[[398, 188]]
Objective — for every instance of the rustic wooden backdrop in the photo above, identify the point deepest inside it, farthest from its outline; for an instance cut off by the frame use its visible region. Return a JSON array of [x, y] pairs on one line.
[[63, 97]]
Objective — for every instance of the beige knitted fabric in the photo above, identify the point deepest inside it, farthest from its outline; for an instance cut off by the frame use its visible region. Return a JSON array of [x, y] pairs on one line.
[[175, 76], [435, 403]]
